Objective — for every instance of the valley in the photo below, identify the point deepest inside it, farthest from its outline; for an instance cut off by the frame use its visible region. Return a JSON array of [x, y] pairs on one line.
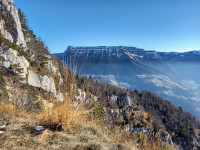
[[173, 76]]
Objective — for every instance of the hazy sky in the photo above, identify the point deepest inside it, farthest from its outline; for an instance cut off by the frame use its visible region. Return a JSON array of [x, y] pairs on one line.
[[162, 25]]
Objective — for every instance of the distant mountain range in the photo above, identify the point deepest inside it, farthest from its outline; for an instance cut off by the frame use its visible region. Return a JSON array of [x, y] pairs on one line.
[[171, 75], [125, 54]]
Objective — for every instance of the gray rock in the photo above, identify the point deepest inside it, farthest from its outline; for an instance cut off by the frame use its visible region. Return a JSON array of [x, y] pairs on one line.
[[44, 82], [5, 33], [170, 141], [51, 66], [61, 80], [196, 143], [81, 95], [60, 97], [19, 39], [12, 57]]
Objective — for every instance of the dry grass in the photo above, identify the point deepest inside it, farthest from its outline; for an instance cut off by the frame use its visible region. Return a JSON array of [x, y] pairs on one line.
[[136, 141], [79, 132], [6, 107], [66, 127], [62, 115], [21, 135], [8, 111]]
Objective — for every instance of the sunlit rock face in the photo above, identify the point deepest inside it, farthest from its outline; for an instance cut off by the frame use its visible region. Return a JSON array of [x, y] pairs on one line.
[[13, 30], [12, 58], [51, 66], [44, 82]]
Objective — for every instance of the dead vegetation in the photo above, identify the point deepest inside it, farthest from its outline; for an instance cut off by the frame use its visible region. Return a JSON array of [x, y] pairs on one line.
[[20, 134], [67, 126]]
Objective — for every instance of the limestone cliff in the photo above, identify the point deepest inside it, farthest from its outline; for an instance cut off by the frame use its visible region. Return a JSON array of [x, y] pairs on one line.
[[23, 55], [10, 24]]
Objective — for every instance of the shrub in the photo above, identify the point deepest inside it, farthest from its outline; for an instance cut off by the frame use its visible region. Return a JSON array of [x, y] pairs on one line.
[[62, 115], [7, 27], [2, 58], [3, 91], [6, 107], [8, 43]]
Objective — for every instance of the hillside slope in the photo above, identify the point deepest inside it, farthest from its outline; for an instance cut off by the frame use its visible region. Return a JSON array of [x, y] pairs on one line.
[[24, 57]]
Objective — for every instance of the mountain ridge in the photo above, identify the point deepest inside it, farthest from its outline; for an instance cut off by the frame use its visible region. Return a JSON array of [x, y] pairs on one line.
[[134, 68], [130, 53]]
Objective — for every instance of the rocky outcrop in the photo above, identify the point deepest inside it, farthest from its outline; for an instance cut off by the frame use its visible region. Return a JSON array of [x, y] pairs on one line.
[[44, 82], [122, 101], [11, 29], [80, 95], [51, 66], [60, 97], [53, 69], [11, 58]]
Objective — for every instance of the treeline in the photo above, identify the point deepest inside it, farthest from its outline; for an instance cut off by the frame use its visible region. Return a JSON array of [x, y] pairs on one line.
[[181, 125], [178, 123]]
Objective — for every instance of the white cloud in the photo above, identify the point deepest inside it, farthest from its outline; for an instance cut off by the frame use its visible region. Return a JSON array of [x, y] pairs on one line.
[[111, 78], [190, 84], [162, 81], [172, 94]]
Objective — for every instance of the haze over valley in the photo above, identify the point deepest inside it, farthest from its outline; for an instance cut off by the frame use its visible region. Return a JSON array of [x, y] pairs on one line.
[[171, 75]]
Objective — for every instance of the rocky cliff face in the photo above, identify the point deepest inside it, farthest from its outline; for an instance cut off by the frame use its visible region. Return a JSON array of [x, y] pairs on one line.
[[10, 24], [43, 82], [11, 58], [22, 60]]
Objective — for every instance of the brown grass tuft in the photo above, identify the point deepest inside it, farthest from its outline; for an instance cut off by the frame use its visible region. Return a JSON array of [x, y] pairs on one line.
[[6, 107], [45, 135], [61, 115]]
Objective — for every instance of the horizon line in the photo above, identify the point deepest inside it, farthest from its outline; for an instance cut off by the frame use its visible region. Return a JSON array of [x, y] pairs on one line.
[[135, 47]]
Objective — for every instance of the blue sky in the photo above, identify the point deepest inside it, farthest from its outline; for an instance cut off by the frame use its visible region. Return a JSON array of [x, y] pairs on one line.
[[162, 25]]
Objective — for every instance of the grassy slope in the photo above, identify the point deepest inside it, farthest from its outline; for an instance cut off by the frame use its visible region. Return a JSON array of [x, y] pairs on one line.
[[20, 134]]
